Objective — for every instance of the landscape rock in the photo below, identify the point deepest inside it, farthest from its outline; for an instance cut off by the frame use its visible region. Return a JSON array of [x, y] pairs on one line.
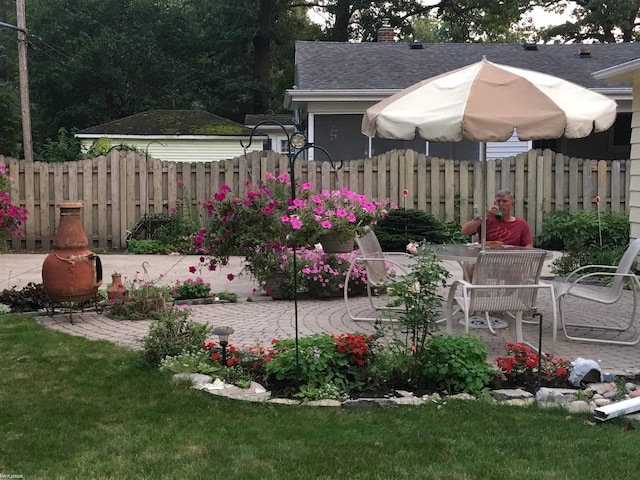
[[285, 401], [323, 403], [510, 394], [601, 402], [408, 401], [236, 393], [368, 403], [197, 379], [519, 402], [560, 396], [579, 406]]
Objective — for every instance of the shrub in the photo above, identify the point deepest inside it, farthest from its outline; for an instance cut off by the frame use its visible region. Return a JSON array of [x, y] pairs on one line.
[[578, 233], [30, 298], [322, 358], [166, 232], [567, 230], [402, 226], [248, 363], [417, 292], [143, 300], [12, 217], [190, 288], [172, 335], [456, 364], [520, 368], [147, 247]]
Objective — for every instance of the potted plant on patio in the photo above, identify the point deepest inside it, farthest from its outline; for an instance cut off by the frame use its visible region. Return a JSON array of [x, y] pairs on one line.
[[265, 226], [332, 217]]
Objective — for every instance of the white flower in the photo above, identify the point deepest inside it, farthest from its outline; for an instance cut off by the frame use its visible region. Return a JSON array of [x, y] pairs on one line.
[[318, 247], [415, 288]]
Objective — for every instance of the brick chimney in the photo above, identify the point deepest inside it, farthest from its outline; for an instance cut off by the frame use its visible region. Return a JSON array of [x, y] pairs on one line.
[[385, 32]]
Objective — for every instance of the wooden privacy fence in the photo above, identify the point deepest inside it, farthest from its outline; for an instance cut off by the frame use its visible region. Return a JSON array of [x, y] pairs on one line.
[[119, 188]]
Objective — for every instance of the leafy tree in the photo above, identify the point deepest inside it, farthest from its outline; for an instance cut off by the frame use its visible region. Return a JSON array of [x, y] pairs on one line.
[[604, 21], [10, 119], [462, 20], [104, 59]]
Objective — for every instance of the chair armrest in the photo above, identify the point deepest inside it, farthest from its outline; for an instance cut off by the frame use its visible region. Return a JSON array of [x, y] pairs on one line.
[[403, 268], [598, 274], [580, 269]]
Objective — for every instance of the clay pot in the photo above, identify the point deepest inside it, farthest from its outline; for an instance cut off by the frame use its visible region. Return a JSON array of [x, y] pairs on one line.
[[71, 272], [332, 244], [116, 291]]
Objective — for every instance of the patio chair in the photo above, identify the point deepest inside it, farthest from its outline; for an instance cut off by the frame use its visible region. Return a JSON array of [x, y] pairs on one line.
[[580, 284], [503, 281], [380, 267]]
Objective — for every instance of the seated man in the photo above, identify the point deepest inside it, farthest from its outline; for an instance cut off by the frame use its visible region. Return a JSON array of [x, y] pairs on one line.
[[501, 225]]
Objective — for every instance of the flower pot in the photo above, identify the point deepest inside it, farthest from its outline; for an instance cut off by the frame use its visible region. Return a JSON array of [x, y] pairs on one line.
[[331, 243], [116, 291]]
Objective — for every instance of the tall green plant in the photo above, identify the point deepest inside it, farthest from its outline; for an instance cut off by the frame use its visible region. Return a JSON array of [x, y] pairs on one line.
[[580, 234], [456, 364]]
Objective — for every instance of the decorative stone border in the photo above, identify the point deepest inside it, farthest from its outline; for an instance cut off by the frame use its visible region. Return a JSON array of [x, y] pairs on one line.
[[575, 401]]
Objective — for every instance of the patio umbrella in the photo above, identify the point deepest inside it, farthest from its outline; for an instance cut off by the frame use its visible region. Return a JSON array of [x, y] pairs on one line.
[[486, 102]]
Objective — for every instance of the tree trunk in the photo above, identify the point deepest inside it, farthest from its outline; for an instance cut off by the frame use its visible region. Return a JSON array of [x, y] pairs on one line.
[[262, 56]]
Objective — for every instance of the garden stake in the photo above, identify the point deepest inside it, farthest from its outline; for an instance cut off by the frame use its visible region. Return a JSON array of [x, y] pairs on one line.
[[298, 141], [539, 315]]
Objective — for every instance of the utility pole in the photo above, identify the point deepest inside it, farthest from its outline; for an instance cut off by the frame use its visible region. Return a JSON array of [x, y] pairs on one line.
[[27, 145]]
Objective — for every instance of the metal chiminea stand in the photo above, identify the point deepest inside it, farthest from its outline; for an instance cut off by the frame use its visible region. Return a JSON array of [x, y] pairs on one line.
[[298, 141]]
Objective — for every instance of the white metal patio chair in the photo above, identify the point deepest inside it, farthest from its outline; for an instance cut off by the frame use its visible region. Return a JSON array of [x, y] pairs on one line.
[[503, 281], [379, 267], [576, 285]]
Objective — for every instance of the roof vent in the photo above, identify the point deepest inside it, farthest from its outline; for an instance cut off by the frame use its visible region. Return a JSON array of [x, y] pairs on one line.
[[584, 52], [530, 46], [416, 46]]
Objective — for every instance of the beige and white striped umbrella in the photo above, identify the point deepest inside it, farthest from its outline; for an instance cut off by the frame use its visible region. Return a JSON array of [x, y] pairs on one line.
[[485, 102]]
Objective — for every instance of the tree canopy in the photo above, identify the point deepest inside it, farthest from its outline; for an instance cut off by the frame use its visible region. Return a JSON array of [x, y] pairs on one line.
[[93, 61]]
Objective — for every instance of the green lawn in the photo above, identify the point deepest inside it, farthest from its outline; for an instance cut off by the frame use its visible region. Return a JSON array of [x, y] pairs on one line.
[[73, 408]]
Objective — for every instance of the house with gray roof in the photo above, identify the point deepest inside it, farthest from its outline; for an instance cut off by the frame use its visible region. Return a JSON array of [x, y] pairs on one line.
[[176, 135], [336, 82]]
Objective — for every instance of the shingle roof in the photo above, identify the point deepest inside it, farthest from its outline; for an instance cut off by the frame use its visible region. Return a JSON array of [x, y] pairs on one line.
[[338, 66], [170, 122], [254, 119]]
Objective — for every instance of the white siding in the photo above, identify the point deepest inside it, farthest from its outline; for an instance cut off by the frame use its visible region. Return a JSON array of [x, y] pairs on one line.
[[510, 148], [186, 150]]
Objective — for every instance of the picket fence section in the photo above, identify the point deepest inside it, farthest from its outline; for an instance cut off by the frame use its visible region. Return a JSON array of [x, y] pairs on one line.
[[117, 189]]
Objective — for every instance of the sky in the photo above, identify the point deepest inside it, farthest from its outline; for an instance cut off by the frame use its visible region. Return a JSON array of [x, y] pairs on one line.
[[545, 19], [540, 17]]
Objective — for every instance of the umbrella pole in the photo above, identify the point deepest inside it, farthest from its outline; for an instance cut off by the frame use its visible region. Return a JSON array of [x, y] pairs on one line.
[[483, 161]]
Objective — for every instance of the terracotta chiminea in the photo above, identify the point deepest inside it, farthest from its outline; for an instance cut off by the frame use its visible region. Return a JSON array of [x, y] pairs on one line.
[[71, 272]]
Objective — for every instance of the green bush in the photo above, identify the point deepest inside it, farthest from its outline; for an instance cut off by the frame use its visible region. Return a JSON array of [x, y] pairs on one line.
[[147, 247], [142, 301], [321, 360], [403, 226], [456, 364], [567, 230], [190, 288], [579, 235], [30, 298], [166, 232], [173, 335]]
